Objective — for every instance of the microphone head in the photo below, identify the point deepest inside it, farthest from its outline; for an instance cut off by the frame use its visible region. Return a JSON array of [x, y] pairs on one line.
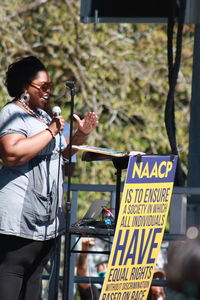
[[70, 84], [56, 111]]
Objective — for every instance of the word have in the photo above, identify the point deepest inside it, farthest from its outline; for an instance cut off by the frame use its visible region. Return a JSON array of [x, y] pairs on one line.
[[136, 247]]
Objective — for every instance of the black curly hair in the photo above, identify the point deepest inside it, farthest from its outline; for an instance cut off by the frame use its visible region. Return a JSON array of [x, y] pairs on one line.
[[21, 73]]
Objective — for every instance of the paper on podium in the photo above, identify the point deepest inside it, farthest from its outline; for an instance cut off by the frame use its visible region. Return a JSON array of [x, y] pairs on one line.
[[105, 151]]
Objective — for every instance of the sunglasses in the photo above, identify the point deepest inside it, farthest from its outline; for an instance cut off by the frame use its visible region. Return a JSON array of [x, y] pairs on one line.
[[44, 86]]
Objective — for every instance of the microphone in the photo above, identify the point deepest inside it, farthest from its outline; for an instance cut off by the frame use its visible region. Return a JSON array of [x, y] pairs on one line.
[[56, 111], [70, 84]]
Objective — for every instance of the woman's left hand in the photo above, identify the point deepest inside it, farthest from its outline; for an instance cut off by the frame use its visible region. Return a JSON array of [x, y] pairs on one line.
[[88, 124]]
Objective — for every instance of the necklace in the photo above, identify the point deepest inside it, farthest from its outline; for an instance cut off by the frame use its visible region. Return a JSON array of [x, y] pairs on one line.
[[37, 114]]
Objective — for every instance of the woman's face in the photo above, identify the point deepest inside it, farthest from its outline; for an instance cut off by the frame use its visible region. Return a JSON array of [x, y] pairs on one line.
[[39, 90]]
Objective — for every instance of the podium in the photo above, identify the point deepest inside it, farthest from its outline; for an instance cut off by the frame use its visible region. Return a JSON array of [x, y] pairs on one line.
[[140, 215], [119, 163]]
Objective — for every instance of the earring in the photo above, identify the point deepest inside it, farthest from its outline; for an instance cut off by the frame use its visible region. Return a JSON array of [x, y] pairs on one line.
[[25, 97]]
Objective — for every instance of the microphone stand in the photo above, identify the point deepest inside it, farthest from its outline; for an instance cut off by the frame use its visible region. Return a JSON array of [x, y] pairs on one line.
[[71, 86]]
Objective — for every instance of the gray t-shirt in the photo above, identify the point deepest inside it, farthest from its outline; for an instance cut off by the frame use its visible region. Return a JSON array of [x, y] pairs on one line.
[[31, 195]]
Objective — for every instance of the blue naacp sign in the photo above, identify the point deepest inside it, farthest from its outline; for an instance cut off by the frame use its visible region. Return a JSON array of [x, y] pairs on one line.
[[140, 227], [151, 169]]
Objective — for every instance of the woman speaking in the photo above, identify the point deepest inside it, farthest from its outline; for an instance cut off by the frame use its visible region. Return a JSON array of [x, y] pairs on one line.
[[31, 208]]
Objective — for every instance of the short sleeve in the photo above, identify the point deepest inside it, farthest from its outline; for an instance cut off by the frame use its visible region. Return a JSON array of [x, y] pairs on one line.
[[12, 120]]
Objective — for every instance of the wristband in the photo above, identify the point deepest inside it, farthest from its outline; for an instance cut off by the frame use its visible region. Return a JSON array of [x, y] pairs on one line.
[[48, 129]]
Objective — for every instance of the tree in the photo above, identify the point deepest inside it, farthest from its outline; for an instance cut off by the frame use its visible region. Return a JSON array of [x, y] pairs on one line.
[[120, 69]]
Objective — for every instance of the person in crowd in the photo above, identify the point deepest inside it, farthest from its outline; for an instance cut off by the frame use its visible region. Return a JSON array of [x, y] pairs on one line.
[[182, 269], [32, 148], [157, 292], [89, 291]]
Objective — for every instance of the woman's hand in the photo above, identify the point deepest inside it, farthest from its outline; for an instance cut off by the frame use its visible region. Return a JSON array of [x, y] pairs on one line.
[[85, 127], [57, 125], [88, 124]]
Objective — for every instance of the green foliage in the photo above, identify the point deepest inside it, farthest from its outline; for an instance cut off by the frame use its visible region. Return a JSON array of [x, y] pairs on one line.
[[121, 72]]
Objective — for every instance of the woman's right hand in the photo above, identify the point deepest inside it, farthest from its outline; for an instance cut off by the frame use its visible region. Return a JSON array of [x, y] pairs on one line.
[[57, 125]]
